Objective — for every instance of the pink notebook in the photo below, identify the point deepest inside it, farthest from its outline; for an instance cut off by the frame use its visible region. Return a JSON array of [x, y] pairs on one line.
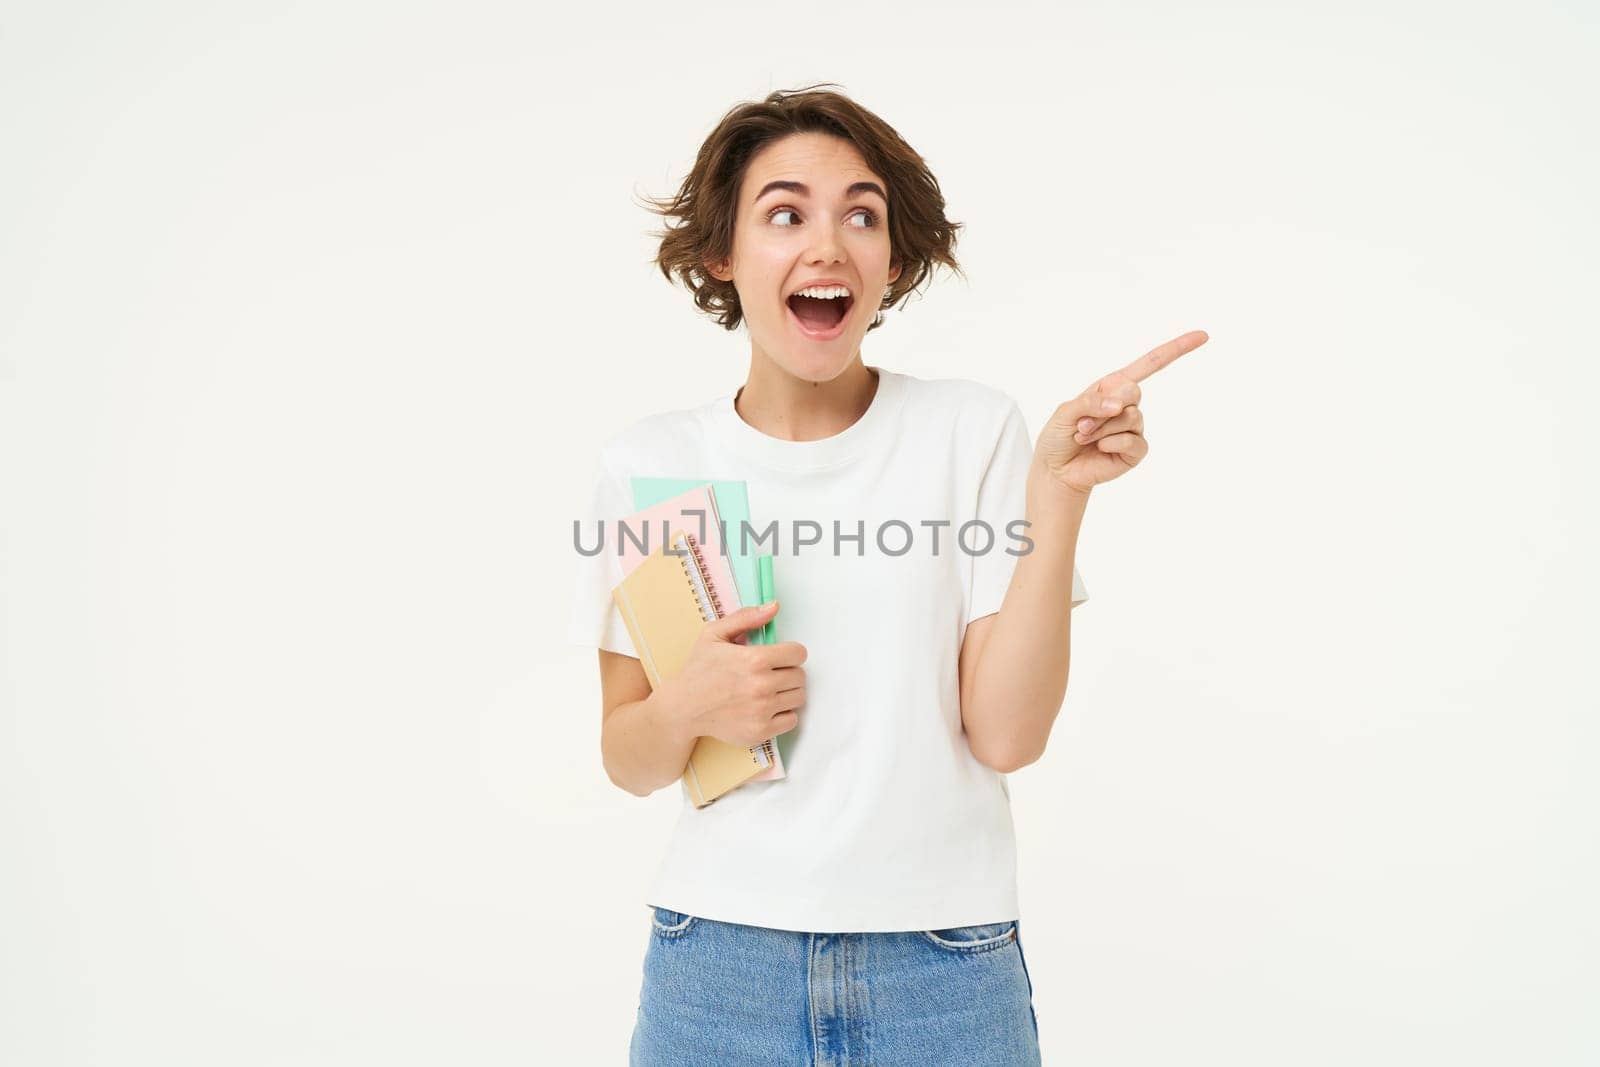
[[694, 512]]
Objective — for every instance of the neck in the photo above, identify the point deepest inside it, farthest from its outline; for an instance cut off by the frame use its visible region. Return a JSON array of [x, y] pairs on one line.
[[793, 409]]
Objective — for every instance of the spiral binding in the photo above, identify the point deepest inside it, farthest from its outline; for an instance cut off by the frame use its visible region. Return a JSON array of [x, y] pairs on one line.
[[698, 579], [762, 754]]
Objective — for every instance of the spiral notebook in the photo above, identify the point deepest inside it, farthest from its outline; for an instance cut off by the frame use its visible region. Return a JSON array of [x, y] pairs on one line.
[[697, 512], [711, 512], [665, 601], [729, 501]]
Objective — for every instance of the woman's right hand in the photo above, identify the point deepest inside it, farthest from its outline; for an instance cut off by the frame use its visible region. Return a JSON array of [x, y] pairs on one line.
[[741, 694]]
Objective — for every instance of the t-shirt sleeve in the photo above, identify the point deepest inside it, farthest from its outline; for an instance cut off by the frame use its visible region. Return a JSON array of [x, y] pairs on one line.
[[595, 620], [1003, 499]]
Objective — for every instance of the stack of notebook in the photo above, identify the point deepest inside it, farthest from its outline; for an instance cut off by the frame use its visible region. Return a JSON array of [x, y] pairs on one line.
[[681, 572]]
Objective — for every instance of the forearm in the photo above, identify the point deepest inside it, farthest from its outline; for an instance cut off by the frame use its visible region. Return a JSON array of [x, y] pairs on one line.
[[645, 744], [1020, 678]]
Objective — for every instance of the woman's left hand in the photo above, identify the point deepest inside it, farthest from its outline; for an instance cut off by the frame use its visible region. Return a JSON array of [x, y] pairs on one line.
[[1099, 434]]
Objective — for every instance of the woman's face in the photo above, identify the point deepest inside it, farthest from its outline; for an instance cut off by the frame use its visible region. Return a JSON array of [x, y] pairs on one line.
[[809, 211]]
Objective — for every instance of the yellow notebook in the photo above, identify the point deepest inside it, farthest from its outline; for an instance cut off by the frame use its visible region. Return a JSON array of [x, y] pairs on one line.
[[664, 608]]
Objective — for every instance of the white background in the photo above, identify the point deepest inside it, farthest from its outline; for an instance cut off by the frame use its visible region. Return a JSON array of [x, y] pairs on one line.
[[313, 317]]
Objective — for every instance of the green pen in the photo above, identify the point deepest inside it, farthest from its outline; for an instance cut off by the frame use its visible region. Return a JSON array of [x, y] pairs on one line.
[[768, 634]]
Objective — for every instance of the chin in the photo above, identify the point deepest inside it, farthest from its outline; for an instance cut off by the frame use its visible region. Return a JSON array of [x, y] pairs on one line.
[[818, 366], [814, 361]]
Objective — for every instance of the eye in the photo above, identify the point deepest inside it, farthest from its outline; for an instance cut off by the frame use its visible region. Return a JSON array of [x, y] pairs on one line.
[[869, 217]]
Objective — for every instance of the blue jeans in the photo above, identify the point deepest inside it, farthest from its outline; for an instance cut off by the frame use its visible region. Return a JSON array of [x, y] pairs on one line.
[[728, 995]]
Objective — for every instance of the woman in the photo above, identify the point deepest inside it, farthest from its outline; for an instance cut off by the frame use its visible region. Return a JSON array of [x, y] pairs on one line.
[[862, 909]]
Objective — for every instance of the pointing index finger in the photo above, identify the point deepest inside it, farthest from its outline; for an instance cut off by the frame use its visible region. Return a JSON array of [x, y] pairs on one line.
[[1161, 355]]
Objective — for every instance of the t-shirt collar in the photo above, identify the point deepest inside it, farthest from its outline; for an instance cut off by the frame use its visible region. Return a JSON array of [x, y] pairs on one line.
[[844, 446]]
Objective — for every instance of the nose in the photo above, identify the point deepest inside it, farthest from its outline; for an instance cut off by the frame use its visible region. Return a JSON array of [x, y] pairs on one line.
[[826, 246]]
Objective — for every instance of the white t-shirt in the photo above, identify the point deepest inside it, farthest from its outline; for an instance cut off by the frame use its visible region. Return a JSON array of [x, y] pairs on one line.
[[886, 821]]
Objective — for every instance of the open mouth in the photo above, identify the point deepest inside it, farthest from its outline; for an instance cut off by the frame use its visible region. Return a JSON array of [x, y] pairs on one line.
[[821, 319]]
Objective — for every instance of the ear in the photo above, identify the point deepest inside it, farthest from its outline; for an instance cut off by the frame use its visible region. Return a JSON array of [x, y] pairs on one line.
[[894, 273], [720, 271]]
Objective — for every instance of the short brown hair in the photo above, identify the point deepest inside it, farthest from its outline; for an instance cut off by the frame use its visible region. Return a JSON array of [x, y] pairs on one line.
[[706, 203]]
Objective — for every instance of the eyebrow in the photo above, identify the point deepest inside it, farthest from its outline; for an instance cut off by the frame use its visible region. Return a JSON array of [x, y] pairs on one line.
[[800, 188]]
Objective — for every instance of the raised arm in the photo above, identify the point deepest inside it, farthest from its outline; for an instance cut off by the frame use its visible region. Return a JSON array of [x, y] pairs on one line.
[[1014, 664]]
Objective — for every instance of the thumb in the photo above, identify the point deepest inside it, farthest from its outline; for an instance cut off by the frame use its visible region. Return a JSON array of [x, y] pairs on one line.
[[735, 623], [1097, 405], [1092, 406]]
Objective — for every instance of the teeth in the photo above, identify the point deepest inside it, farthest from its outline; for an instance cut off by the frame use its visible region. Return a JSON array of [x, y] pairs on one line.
[[824, 292]]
